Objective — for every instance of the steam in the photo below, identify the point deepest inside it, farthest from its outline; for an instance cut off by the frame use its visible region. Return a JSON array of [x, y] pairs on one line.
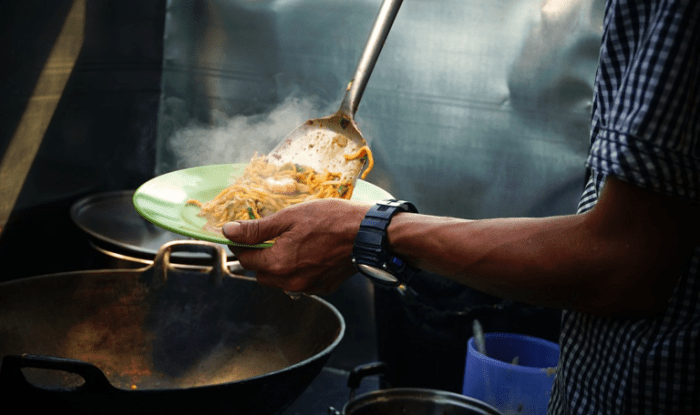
[[238, 138]]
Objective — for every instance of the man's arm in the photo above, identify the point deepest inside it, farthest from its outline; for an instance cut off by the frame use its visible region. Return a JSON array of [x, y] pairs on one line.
[[623, 257], [620, 258]]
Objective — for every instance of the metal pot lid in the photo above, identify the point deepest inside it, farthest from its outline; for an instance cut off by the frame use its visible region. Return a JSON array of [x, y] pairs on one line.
[[415, 401], [113, 223]]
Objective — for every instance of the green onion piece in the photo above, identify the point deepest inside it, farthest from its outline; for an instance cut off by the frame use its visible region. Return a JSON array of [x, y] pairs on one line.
[[250, 213]]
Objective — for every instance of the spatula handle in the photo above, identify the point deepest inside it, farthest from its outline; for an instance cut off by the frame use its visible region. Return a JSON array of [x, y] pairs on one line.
[[382, 25]]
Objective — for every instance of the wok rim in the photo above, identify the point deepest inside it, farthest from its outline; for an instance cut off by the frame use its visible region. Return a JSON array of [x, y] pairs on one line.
[[325, 352]]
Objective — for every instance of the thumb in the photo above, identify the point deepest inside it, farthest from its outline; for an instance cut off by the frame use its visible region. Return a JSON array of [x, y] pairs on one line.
[[248, 232]]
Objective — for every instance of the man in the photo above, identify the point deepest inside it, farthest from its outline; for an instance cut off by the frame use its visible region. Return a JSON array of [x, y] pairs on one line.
[[625, 268]]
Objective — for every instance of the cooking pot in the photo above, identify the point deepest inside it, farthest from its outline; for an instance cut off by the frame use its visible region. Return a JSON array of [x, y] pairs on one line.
[[407, 401], [122, 238], [160, 339]]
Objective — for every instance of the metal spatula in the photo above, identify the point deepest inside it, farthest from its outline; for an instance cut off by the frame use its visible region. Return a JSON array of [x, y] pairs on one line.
[[322, 143]]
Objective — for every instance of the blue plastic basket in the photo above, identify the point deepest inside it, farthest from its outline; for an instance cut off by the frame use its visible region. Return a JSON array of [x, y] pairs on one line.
[[523, 388]]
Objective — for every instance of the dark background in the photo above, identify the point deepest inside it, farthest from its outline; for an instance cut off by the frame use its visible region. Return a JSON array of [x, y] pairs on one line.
[[102, 134]]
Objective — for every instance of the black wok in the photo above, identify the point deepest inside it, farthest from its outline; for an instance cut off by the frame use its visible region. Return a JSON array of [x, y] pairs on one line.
[[160, 340]]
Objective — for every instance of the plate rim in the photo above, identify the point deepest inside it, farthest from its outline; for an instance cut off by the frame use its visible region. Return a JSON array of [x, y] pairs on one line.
[[211, 237]]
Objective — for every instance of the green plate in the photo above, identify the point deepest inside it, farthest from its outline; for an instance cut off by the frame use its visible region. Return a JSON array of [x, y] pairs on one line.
[[162, 200]]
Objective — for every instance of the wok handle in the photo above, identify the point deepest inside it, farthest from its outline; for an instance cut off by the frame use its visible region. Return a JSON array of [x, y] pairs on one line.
[[12, 365], [361, 372]]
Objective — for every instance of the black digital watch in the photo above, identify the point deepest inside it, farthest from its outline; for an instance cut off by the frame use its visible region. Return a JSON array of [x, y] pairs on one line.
[[370, 252]]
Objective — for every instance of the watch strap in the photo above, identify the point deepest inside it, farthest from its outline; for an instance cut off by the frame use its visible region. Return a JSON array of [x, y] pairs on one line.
[[370, 251]]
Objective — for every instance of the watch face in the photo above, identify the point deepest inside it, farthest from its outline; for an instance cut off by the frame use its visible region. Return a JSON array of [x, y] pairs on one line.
[[378, 275]]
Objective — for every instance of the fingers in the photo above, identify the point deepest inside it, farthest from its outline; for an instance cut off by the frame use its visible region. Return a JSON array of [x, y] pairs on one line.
[[311, 249], [251, 232]]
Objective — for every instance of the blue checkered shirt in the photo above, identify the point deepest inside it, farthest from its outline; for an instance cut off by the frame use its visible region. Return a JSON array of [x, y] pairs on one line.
[[645, 130]]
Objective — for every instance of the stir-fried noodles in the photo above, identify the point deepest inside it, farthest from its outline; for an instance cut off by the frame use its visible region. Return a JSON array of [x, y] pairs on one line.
[[265, 188]]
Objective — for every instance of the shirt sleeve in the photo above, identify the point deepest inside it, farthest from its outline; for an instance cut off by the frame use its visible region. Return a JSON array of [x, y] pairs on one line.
[[646, 111]]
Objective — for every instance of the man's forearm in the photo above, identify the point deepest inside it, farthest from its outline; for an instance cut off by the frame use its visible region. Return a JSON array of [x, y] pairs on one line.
[[525, 259], [622, 257]]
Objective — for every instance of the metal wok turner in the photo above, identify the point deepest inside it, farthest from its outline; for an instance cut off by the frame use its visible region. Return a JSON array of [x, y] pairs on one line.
[[323, 143]]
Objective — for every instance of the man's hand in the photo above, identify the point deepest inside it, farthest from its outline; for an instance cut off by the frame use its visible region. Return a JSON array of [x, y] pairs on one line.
[[312, 245]]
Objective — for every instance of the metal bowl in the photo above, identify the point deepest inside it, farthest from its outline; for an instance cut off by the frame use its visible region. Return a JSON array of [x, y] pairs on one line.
[[416, 401]]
